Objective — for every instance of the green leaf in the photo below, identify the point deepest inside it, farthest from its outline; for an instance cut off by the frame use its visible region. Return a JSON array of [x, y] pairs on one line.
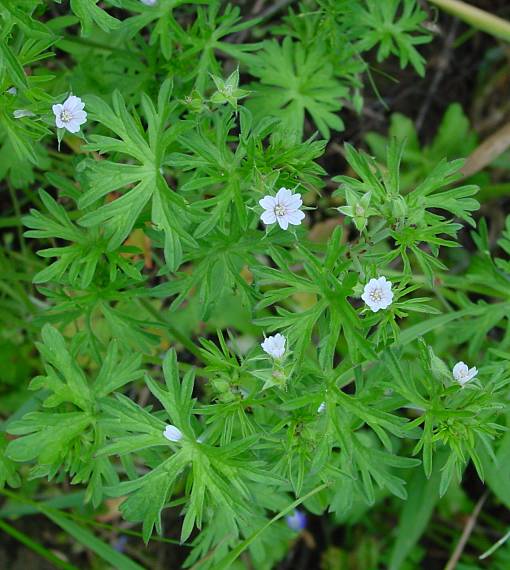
[[8, 472], [149, 494], [294, 80], [148, 148], [9, 64], [88, 12]]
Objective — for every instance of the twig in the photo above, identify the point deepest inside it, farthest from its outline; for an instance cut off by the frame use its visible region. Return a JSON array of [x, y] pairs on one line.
[[466, 533], [489, 150]]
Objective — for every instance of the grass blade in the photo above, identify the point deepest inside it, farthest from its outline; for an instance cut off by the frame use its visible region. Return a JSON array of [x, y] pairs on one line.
[[85, 537], [35, 546]]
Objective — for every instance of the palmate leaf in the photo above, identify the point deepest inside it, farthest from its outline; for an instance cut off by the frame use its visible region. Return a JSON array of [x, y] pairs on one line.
[[392, 25], [145, 179], [68, 437], [47, 437], [214, 474], [78, 262], [294, 80], [149, 494]]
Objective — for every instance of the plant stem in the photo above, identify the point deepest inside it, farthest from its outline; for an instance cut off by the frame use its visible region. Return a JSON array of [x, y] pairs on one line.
[[468, 529], [477, 18]]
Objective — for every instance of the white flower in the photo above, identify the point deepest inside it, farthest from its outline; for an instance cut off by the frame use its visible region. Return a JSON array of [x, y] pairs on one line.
[[12, 91], [282, 208], [149, 2], [274, 345], [463, 374], [321, 408], [377, 294], [20, 113], [70, 115], [172, 433]]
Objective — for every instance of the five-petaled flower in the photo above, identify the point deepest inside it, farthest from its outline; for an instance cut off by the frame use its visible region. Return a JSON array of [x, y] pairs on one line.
[[274, 345], [70, 114], [173, 433], [282, 208], [377, 294], [463, 374]]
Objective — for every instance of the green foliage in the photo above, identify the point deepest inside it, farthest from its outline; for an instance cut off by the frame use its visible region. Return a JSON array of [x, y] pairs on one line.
[[292, 81], [168, 212], [68, 437], [156, 281], [454, 140], [412, 219], [391, 26]]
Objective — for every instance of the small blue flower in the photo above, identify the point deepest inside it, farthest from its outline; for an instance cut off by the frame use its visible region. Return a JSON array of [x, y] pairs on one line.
[[120, 544], [296, 521]]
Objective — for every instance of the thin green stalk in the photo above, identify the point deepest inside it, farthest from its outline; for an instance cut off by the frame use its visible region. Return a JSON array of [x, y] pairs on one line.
[[10, 222], [477, 18], [236, 552], [495, 546]]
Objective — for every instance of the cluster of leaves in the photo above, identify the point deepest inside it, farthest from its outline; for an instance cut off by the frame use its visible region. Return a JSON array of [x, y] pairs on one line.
[[151, 218]]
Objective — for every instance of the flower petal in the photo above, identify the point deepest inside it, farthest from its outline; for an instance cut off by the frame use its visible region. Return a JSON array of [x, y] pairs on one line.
[[295, 217], [294, 202], [283, 195], [283, 222], [73, 103], [173, 433], [268, 217], [72, 126], [268, 202], [57, 109]]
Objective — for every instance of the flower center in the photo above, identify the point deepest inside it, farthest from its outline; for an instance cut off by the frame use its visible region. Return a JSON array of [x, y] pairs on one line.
[[376, 294], [280, 210], [65, 116]]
